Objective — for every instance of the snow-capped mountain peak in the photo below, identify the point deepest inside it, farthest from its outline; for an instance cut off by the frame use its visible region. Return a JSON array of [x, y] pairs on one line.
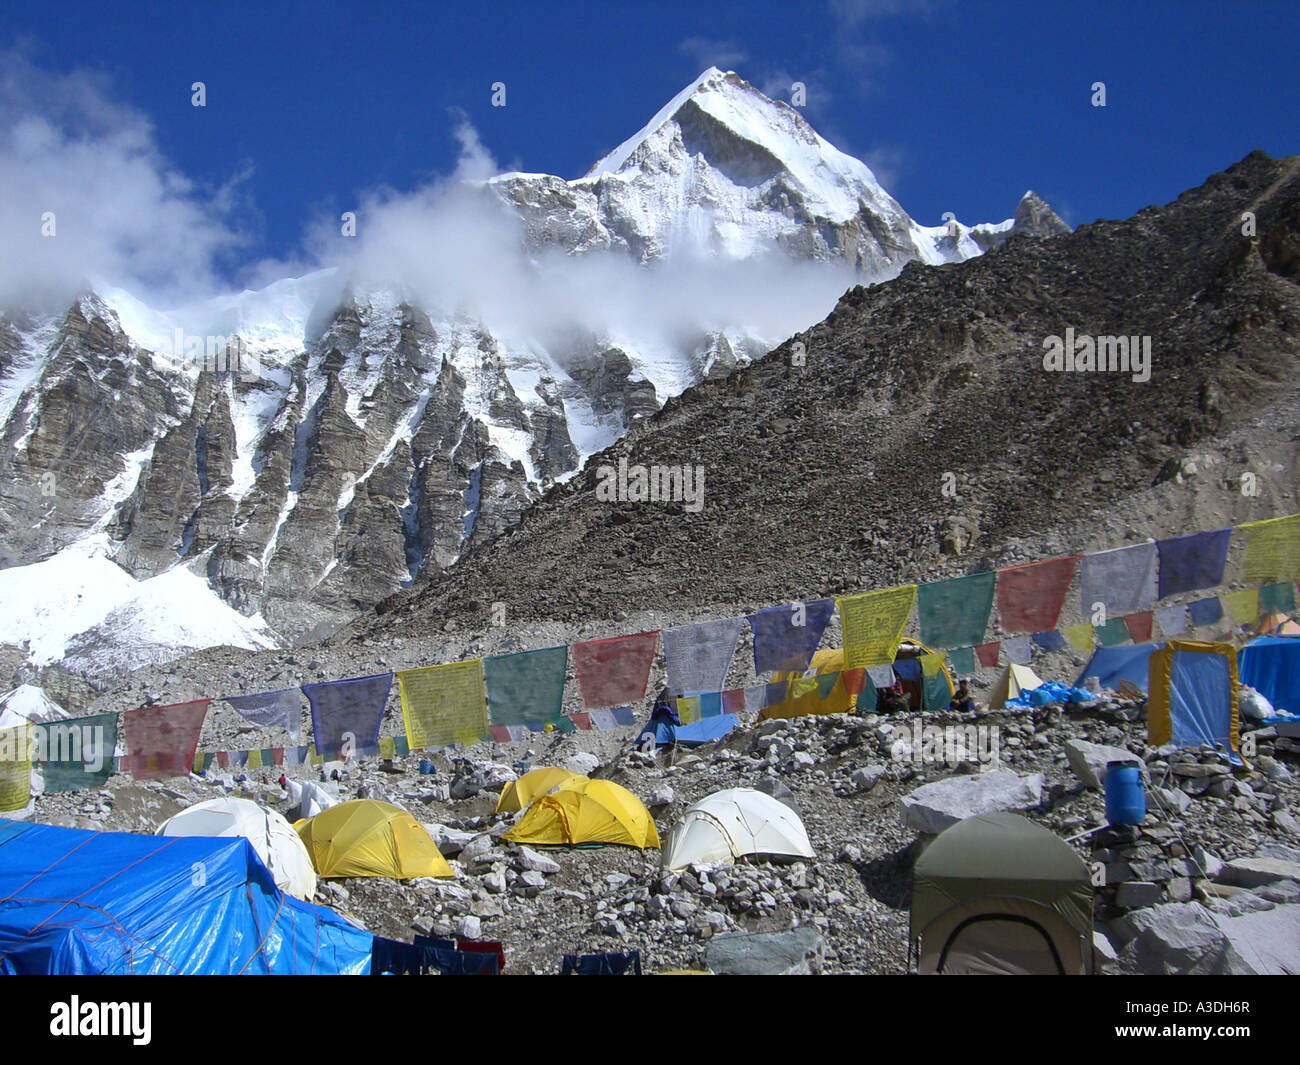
[[721, 106]]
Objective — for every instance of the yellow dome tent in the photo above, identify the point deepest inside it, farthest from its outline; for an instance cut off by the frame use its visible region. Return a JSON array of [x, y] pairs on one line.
[[366, 837], [519, 794], [587, 811]]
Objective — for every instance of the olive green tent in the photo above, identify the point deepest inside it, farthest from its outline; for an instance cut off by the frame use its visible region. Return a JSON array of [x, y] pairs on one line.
[[1001, 894]]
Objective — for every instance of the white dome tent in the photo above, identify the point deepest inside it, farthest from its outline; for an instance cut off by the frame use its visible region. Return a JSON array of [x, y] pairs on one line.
[[728, 824], [274, 839]]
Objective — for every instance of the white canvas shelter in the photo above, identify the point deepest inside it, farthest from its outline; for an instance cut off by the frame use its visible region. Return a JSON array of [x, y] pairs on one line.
[[274, 839], [727, 824]]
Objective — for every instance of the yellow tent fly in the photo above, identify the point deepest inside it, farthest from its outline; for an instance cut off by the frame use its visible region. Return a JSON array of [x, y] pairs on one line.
[[366, 837], [519, 794], [587, 811]]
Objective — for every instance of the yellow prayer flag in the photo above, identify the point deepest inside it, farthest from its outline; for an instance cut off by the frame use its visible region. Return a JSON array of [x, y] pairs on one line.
[[388, 747], [931, 664], [15, 767], [1243, 605], [873, 625], [1079, 637], [442, 705], [1272, 550], [688, 709]]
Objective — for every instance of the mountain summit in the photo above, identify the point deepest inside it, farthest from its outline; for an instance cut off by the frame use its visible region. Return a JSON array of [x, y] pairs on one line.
[[725, 165]]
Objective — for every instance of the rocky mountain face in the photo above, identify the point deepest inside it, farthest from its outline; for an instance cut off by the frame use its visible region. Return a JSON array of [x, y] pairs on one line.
[[916, 432], [343, 440], [1033, 218]]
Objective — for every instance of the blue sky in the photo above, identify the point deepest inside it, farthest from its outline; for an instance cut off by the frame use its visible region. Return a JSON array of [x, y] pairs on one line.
[[958, 106]]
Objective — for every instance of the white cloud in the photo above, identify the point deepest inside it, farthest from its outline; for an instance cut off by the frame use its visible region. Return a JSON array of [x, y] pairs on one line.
[[128, 218], [712, 53], [887, 163], [858, 12], [777, 84], [122, 212]]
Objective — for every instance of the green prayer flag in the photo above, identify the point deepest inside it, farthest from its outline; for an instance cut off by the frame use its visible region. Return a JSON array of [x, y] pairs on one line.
[[955, 612]]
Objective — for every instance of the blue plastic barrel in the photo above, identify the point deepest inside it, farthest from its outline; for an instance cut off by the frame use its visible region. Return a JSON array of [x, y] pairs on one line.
[[1126, 801]]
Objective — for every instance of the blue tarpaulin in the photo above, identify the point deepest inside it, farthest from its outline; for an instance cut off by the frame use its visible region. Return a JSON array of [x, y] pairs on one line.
[[76, 902], [1051, 692], [1271, 665], [707, 729], [1200, 707], [1110, 665]]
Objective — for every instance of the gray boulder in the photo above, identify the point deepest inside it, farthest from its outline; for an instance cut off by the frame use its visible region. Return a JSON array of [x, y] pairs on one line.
[[450, 841], [529, 861], [1266, 941], [1176, 938], [867, 777], [773, 787], [1278, 850], [933, 807], [798, 952], [582, 763], [1088, 760], [1253, 872]]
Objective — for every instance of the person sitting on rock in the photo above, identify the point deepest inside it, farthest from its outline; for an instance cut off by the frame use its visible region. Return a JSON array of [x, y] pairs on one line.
[[962, 701]]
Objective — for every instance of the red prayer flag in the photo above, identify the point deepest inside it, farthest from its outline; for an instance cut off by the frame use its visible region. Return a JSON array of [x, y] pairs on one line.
[[854, 680], [733, 702], [1030, 597], [1139, 626], [614, 672], [988, 653], [161, 740]]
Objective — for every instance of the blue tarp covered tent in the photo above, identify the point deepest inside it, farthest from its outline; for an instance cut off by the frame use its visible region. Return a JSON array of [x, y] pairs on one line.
[[706, 730], [1271, 665], [664, 727], [80, 902], [1192, 698], [1110, 665]]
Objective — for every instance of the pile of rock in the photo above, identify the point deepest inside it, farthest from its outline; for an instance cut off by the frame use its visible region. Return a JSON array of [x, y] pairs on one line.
[[1248, 922]]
